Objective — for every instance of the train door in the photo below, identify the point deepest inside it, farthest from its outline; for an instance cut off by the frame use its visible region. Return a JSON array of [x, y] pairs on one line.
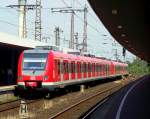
[[73, 70], [65, 70], [56, 73]]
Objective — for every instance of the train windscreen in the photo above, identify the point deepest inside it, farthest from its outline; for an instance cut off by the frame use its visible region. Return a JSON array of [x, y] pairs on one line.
[[34, 61]]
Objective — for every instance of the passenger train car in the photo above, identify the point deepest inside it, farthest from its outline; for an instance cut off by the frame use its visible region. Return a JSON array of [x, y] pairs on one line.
[[48, 70]]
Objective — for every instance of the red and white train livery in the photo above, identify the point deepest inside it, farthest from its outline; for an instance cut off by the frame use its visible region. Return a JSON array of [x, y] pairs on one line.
[[48, 70]]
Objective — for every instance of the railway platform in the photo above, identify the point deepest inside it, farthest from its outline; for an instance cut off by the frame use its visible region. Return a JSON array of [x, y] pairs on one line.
[[6, 93], [131, 102], [7, 88]]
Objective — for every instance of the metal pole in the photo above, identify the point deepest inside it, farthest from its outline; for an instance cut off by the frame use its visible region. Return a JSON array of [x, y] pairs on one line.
[[85, 30], [22, 19], [72, 31], [38, 21]]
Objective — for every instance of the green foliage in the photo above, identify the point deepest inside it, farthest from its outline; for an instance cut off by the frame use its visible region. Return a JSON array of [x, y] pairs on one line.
[[138, 67]]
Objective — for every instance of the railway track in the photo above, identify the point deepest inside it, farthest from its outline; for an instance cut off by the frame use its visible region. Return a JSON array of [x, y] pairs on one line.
[[73, 104], [72, 112], [9, 105], [14, 104]]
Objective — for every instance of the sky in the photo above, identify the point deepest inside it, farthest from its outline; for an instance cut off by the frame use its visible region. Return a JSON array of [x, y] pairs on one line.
[[100, 41]]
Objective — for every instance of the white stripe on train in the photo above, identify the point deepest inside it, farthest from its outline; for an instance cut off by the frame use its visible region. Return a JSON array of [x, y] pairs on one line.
[[72, 81]]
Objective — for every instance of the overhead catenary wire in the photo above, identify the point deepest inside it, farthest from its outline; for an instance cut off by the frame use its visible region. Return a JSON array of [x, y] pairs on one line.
[[94, 28], [16, 25], [92, 16]]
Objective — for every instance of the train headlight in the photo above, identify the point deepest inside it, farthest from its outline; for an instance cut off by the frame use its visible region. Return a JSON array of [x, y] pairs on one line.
[[45, 77], [19, 77]]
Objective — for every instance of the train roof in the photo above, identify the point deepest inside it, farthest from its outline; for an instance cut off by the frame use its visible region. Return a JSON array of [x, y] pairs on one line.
[[79, 58]]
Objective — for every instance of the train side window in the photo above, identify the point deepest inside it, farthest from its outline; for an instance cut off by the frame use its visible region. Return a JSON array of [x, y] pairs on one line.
[[57, 66], [88, 67], [84, 67], [61, 67], [81, 67], [78, 67], [99, 67], [108, 69], [96, 67], [104, 68], [72, 67], [69, 67], [93, 67], [65, 67]]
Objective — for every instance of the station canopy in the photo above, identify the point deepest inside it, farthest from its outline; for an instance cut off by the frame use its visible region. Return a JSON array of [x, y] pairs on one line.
[[129, 23]]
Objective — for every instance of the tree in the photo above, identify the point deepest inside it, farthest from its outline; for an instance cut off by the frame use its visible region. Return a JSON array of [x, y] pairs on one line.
[[138, 67]]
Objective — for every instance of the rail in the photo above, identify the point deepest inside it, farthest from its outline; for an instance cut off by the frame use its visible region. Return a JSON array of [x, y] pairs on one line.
[[59, 114], [15, 104]]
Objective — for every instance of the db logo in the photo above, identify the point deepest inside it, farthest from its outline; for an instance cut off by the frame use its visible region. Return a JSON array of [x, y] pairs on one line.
[[33, 78]]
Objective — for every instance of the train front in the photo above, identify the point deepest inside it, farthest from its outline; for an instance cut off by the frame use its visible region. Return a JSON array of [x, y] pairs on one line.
[[33, 69]]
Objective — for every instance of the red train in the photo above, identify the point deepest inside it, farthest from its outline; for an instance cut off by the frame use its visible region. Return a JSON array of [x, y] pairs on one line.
[[48, 70]]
